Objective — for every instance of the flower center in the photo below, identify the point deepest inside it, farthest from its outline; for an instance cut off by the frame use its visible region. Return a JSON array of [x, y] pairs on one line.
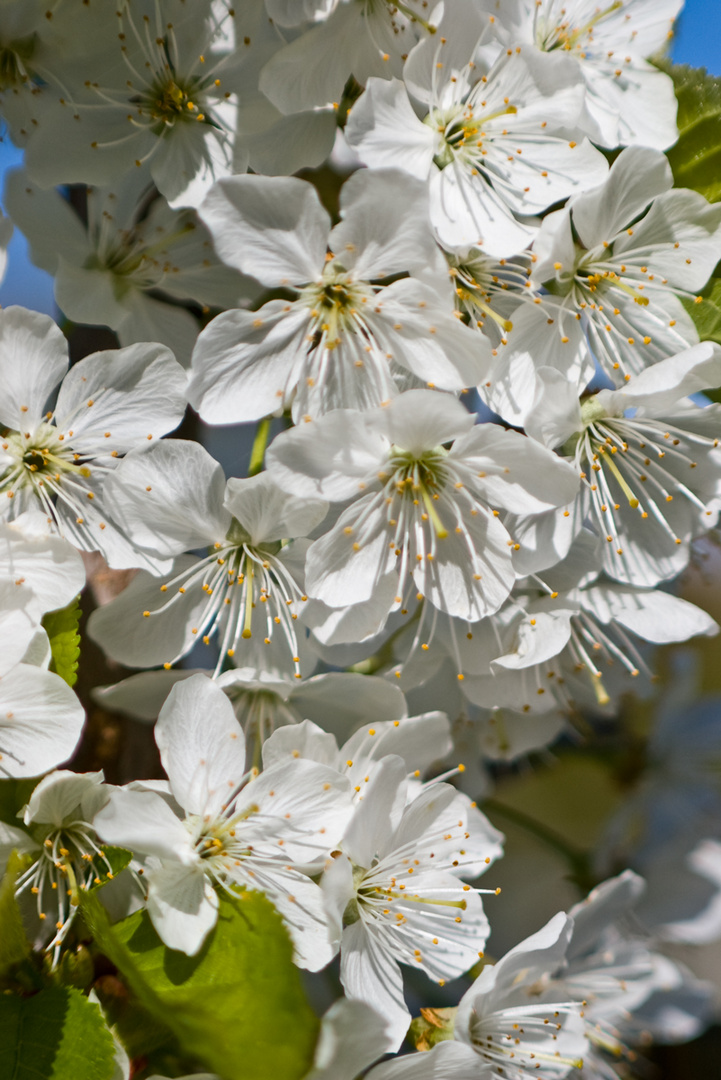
[[168, 102], [14, 57], [334, 304], [38, 461], [551, 35]]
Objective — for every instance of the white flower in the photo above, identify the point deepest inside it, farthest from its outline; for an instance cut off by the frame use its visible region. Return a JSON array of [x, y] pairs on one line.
[[165, 92], [497, 144], [648, 459], [121, 268], [509, 1024], [357, 38], [419, 521], [235, 829], [58, 461], [704, 926], [615, 262], [67, 854], [609, 968], [421, 742], [39, 44], [514, 1023], [393, 895], [628, 100], [349, 337], [174, 498], [340, 702]]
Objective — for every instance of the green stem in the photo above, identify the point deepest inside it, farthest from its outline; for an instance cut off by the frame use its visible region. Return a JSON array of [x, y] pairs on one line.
[[259, 444], [577, 858]]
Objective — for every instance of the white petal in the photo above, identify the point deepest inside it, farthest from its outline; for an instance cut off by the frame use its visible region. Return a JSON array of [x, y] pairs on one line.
[[272, 228], [520, 475], [134, 394], [370, 973], [342, 701], [444, 1060], [653, 615], [33, 360], [182, 906], [352, 1036], [660, 387], [330, 458], [381, 233], [637, 176], [144, 822], [303, 740], [246, 364], [556, 411], [385, 132], [268, 513], [169, 498], [201, 745], [421, 420], [41, 721], [377, 815], [126, 634]]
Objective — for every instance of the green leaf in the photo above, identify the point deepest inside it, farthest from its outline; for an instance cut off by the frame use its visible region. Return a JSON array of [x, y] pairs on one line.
[[117, 858], [238, 1005], [707, 318], [62, 629], [14, 945], [696, 157], [54, 1035]]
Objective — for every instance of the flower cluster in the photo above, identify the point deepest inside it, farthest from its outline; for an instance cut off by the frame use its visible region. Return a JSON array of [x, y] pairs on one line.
[[470, 324]]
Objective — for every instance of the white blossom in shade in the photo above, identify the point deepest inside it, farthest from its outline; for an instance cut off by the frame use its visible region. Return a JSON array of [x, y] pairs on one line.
[[264, 701], [704, 926], [67, 853], [246, 592], [393, 895], [628, 100], [58, 460], [570, 639], [352, 336], [515, 1023], [132, 265], [419, 519], [166, 93], [613, 970], [608, 967], [32, 557], [40, 44], [676, 800], [356, 39], [236, 829], [648, 459], [614, 264], [497, 144], [41, 720]]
